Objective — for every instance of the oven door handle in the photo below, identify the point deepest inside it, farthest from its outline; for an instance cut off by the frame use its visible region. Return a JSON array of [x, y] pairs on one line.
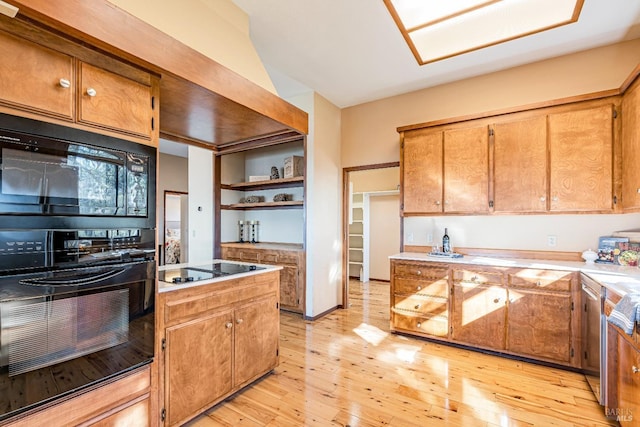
[[590, 292], [70, 281]]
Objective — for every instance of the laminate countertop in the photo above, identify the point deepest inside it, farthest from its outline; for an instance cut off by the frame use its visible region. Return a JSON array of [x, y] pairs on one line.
[[617, 278]]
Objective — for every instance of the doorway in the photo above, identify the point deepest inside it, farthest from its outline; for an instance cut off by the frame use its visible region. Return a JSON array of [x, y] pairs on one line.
[[371, 222], [176, 218]]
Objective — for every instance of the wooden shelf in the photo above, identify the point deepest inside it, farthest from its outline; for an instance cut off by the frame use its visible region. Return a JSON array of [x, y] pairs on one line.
[[296, 204], [296, 181]]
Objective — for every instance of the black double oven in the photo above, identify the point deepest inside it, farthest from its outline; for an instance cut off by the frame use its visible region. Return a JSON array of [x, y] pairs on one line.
[[77, 260]]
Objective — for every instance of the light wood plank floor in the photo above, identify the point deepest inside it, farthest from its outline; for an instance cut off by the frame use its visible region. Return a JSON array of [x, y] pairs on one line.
[[348, 370]]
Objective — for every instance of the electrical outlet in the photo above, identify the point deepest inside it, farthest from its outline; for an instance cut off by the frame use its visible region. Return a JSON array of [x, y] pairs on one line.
[[430, 238], [552, 240]]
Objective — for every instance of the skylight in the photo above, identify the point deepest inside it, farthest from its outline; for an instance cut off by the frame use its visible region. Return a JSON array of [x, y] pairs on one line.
[[440, 29]]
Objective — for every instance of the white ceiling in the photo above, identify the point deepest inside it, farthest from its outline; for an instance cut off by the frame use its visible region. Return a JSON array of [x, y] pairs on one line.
[[351, 51]]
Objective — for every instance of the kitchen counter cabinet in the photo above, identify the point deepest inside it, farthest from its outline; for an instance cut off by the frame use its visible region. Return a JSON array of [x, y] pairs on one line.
[[218, 338], [523, 312], [420, 299], [290, 257]]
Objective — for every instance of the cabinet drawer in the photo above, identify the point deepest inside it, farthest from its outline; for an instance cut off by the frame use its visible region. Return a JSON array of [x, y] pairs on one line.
[[478, 276], [438, 288], [288, 259], [268, 258], [437, 326], [433, 306], [541, 279], [420, 271], [249, 256]]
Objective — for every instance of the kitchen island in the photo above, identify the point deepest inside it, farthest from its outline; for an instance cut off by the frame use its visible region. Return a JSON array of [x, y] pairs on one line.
[[218, 328]]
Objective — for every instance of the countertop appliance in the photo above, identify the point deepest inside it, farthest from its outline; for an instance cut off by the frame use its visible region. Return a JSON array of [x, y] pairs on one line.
[[204, 272], [594, 328]]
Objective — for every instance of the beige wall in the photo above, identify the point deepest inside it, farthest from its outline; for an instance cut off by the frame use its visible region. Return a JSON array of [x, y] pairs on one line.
[[216, 28], [383, 179], [369, 136]]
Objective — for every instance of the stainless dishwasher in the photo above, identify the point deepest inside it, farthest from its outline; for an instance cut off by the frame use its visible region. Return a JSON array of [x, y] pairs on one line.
[[594, 327]]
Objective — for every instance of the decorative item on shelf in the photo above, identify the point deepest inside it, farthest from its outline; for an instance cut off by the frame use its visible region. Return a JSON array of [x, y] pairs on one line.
[[293, 166], [257, 178], [254, 230], [252, 199], [282, 197], [589, 256], [274, 173], [241, 231]]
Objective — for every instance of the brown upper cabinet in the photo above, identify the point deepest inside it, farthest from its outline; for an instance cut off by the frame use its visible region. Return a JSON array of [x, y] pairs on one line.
[[446, 171], [550, 160], [631, 148], [48, 83]]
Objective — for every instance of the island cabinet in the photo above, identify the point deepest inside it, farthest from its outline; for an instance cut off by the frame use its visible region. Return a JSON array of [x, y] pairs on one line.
[[519, 311], [291, 257], [559, 159], [445, 171], [52, 79], [216, 339]]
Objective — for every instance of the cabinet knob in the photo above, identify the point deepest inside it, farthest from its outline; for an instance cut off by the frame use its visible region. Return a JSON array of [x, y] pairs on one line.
[[419, 288], [543, 199], [419, 272], [437, 202], [538, 283], [416, 307], [496, 301], [419, 324], [229, 325], [65, 83], [635, 369], [239, 321], [91, 92], [474, 279], [638, 190], [554, 198]]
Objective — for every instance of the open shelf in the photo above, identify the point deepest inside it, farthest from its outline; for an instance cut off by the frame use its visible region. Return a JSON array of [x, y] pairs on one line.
[[296, 181], [295, 204]]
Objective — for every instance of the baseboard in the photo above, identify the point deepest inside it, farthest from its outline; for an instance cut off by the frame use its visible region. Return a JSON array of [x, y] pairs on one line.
[[324, 313]]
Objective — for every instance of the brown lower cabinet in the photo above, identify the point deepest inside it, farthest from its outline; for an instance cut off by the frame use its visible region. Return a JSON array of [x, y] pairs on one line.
[[217, 338], [123, 402], [291, 257], [518, 311]]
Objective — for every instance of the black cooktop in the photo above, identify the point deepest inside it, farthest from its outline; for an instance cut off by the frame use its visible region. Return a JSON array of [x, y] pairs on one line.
[[204, 272]]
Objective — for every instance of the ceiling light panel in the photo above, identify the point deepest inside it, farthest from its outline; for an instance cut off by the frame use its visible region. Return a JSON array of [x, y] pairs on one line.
[[435, 33]]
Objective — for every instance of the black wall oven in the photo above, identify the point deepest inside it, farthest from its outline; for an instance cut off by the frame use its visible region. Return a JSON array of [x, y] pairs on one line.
[[77, 261]]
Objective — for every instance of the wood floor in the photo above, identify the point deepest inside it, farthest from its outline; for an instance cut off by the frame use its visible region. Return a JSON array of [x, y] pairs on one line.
[[348, 370]]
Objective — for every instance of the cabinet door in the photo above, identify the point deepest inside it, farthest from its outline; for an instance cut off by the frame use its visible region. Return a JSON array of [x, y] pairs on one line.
[[520, 166], [631, 148], [197, 365], [31, 77], [478, 316], [581, 160], [539, 324], [628, 382], [118, 103], [422, 172], [289, 290], [257, 329], [466, 170]]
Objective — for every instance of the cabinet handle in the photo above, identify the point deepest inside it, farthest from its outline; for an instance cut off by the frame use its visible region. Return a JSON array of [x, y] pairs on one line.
[[474, 279], [91, 92], [496, 301], [419, 288], [635, 369], [229, 325], [417, 306], [543, 199], [538, 283], [239, 321], [65, 83]]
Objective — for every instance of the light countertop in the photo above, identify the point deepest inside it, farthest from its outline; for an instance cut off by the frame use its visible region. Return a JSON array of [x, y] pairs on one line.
[[618, 278], [168, 286]]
